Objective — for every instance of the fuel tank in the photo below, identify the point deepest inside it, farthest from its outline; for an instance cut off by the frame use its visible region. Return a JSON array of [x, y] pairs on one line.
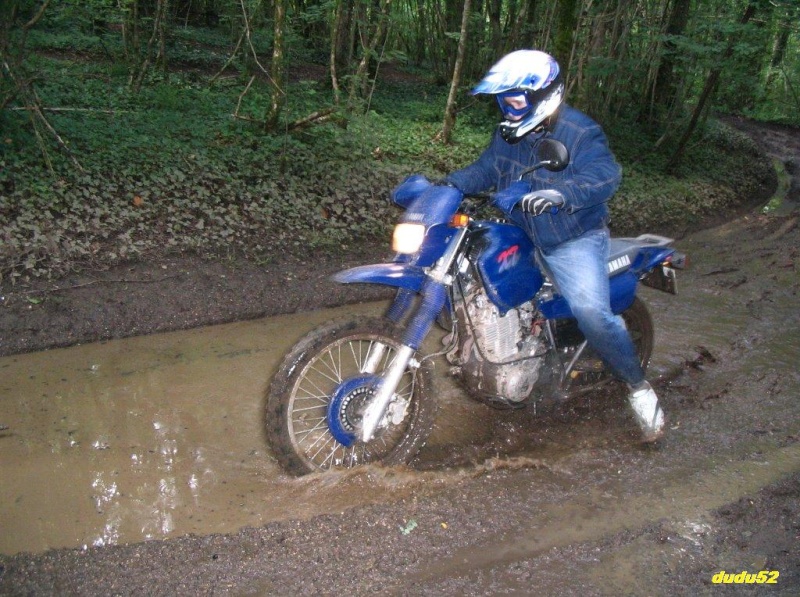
[[506, 263]]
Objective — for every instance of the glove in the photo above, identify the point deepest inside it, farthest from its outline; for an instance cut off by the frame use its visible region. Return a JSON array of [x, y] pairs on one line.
[[538, 202]]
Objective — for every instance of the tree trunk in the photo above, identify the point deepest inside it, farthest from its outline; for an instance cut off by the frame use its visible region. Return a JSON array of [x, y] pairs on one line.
[[523, 26], [368, 49], [781, 43], [450, 108], [336, 33], [708, 89], [142, 63], [493, 8], [277, 67], [567, 24], [664, 90]]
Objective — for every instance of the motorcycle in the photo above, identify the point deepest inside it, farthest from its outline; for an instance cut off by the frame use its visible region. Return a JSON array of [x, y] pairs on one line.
[[360, 390]]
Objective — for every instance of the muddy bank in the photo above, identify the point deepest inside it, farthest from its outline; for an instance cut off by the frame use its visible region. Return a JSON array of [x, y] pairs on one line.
[[176, 293]]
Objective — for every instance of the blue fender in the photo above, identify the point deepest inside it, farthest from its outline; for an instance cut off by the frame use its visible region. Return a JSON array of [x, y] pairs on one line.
[[399, 275], [650, 258]]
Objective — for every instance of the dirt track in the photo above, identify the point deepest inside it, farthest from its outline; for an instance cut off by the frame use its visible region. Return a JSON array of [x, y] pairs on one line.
[[566, 504]]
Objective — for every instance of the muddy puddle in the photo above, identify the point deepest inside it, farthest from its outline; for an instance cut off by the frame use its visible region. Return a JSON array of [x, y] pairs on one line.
[[161, 436]]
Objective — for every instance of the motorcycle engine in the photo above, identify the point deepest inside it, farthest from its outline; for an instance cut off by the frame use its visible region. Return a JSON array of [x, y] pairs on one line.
[[493, 353]]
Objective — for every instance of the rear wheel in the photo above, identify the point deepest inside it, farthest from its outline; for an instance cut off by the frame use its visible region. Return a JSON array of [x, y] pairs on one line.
[[321, 388], [590, 369], [640, 327]]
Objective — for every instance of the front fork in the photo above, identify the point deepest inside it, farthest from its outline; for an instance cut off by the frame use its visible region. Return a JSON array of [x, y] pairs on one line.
[[434, 295]]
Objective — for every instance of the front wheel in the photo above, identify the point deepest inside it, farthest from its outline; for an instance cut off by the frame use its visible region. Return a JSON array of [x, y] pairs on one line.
[[322, 387]]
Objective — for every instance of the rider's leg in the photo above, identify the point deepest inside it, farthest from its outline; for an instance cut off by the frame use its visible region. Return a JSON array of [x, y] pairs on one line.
[[579, 270]]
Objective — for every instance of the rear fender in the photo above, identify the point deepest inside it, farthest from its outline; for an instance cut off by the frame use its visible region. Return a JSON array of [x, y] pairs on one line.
[[650, 258]]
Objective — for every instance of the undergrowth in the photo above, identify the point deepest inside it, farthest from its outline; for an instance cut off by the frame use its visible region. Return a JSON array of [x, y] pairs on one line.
[[170, 170]]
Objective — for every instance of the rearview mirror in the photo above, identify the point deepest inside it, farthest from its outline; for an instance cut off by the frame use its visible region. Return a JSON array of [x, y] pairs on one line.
[[553, 155]]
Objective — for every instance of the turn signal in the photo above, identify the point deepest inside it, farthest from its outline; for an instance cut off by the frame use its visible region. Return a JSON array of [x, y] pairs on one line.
[[459, 221]]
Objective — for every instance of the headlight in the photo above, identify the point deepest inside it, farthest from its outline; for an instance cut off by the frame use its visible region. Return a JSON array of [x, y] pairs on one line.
[[407, 238]]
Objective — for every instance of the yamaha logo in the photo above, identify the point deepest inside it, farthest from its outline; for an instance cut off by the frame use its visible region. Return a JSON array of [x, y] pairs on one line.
[[618, 263]]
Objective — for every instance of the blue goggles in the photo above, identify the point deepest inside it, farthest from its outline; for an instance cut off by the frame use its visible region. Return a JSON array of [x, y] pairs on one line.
[[514, 104]]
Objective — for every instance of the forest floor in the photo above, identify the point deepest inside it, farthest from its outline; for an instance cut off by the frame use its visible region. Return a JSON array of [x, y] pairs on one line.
[[353, 551]]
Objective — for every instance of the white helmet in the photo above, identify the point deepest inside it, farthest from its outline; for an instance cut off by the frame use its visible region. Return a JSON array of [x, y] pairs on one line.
[[528, 87]]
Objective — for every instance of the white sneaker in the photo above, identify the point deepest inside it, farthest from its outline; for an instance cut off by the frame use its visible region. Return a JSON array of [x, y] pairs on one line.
[[648, 412]]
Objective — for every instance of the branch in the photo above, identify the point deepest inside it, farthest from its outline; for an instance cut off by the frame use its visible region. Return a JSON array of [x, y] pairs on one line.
[[43, 109], [313, 118], [30, 24], [228, 63], [92, 282], [245, 35], [33, 106], [241, 97], [38, 111], [252, 48], [317, 117]]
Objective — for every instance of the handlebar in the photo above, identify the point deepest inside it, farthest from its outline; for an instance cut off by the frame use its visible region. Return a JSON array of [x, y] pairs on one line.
[[474, 202]]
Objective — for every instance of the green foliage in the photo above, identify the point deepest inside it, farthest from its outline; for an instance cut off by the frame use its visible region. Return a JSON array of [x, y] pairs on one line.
[[169, 169], [723, 170]]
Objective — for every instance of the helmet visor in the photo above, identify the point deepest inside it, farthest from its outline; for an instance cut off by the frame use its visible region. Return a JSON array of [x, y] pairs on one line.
[[514, 105]]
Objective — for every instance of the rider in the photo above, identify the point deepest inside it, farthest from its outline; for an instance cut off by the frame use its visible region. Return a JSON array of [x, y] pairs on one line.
[[564, 213]]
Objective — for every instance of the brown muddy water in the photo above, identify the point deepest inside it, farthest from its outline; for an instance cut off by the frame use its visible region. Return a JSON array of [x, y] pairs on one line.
[[161, 436]]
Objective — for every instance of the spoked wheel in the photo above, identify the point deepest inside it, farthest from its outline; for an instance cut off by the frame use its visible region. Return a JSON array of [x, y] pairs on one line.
[[322, 387]]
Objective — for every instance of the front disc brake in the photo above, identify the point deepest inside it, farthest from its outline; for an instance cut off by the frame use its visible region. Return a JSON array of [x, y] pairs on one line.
[[347, 405]]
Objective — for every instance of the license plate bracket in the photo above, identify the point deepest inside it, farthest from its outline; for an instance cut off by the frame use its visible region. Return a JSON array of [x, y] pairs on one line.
[[662, 278]]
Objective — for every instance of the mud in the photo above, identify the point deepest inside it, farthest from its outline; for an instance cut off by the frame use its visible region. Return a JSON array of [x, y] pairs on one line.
[[180, 292], [565, 502]]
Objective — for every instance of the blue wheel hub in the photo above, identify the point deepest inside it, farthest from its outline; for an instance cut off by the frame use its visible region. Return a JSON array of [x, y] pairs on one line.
[[347, 405]]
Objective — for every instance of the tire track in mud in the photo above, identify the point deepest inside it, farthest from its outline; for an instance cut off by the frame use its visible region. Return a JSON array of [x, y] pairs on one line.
[[691, 496]]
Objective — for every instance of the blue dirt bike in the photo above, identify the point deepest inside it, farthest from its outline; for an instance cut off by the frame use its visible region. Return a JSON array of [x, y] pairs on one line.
[[360, 390]]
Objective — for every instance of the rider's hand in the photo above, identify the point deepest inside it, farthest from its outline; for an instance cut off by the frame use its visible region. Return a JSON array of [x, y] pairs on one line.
[[538, 202]]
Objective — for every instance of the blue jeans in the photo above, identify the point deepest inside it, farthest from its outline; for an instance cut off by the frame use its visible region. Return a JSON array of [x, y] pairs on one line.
[[579, 268]]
